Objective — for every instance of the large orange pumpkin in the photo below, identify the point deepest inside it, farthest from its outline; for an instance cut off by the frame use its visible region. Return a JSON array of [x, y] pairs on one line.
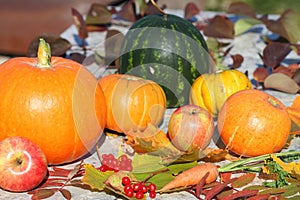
[[210, 91], [59, 105], [132, 102], [253, 123]]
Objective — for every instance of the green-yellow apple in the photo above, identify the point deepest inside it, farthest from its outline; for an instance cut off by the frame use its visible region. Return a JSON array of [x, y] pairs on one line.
[[191, 128], [23, 165]]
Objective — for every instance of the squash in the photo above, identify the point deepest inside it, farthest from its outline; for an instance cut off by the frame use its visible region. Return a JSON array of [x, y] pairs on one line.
[[55, 102], [210, 91], [168, 50], [132, 102]]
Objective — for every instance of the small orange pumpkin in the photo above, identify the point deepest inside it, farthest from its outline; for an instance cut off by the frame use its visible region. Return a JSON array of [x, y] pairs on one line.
[[210, 91], [57, 103], [132, 102], [253, 123]]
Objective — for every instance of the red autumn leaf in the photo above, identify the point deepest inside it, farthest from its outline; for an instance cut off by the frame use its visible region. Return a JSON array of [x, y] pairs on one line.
[[240, 194], [200, 185], [243, 180], [275, 53], [80, 24], [260, 74], [219, 27], [238, 59], [190, 10], [216, 190], [225, 176], [241, 8]]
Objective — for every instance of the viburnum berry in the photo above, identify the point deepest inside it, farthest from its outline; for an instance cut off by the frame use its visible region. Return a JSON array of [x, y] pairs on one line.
[[129, 193], [137, 187], [144, 188], [152, 187], [152, 194], [126, 180], [139, 195]]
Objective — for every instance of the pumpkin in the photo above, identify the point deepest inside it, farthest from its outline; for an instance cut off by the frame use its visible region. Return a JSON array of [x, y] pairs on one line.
[[253, 123], [53, 101], [168, 50], [294, 112], [210, 91], [132, 102]]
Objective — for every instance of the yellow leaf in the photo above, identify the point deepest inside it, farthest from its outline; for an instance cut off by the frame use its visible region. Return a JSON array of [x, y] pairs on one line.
[[291, 168]]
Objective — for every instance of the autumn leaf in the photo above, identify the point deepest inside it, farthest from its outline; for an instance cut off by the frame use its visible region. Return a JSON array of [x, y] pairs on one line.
[[287, 26], [219, 27], [127, 12], [153, 141], [243, 180], [98, 15], [80, 24], [59, 46], [275, 53], [244, 24], [95, 178], [190, 10], [241, 8]]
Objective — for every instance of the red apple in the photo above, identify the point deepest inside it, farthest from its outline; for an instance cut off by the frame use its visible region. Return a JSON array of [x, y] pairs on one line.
[[191, 128], [23, 165]]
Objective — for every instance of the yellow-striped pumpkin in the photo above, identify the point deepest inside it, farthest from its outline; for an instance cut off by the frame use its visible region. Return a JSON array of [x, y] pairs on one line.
[[210, 91]]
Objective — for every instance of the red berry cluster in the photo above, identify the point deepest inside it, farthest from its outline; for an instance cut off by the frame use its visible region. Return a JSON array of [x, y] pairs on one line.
[[110, 163], [139, 189]]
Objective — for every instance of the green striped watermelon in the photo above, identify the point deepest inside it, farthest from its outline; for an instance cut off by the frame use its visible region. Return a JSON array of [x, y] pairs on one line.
[[168, 50]]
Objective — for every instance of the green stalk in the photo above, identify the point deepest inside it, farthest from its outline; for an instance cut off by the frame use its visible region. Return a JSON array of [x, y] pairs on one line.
[[244, 164], [43, 54]]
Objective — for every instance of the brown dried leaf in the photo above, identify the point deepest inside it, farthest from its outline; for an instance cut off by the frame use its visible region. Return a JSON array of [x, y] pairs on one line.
[[260, 74], [80, 24], [274, 53], [190, 10], [243, 180], [283, 69], [59, 46], [127, 11], [57, 171], [281, 82], [238, 59], [42, 194], [241, 8], [113, 42], [219, 27], [98, 15], [287, 26], [66, 193]]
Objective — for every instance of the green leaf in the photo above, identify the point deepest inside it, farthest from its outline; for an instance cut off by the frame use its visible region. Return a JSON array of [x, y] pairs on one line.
[[145, 163], [95, 178], [244, 24], [161, 179], [243, 180]]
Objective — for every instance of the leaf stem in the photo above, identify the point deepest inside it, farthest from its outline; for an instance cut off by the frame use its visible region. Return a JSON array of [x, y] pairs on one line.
[[246, 163], [158, 8]]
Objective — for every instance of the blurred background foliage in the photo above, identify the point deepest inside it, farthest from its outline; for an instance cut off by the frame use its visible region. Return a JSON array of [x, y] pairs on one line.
[[259, 6]]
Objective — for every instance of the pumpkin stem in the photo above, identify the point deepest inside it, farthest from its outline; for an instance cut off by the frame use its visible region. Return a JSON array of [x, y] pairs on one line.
[[158, 8], [43, 54]]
